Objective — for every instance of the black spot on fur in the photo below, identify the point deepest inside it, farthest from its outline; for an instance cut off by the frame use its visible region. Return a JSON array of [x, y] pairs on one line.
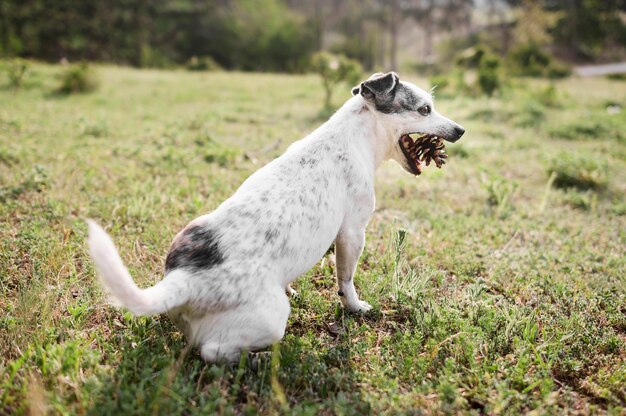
[[270, 235], [308, 162], [196, 248]]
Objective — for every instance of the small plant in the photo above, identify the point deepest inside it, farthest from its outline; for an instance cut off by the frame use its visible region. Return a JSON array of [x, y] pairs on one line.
[[532, 115], [407, 282], [16, 71], [584, 201], [335, 69], [221, 155], [549, 96], [203, 63], [499, 192], [78, 78], [36, 181], [574, 171]]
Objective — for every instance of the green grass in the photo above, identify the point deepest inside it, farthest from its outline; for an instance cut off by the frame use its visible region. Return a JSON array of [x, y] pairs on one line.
[[494, 290]]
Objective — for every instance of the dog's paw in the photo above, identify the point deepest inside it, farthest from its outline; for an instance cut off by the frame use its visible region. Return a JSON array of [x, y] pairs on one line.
[[359, 307], [290, 292], [259, 359]]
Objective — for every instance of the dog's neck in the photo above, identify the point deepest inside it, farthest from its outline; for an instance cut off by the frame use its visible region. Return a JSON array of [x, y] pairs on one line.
[[357, 124]]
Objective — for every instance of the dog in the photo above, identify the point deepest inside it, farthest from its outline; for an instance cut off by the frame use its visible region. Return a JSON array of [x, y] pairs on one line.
[[228, 272]]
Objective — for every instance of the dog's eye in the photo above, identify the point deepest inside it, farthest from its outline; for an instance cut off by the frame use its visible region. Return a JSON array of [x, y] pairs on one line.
[[424, 110]]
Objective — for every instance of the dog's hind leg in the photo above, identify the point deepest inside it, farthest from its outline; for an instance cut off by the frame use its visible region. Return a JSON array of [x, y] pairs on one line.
[[349, 246], [251, 326]]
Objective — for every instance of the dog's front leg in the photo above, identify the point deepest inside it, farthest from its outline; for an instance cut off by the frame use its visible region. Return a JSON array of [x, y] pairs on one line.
[[349, 245]]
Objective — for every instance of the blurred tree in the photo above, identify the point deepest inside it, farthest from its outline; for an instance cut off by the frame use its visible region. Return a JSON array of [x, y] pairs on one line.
[[334, 69], [587, 27], [281, 35]]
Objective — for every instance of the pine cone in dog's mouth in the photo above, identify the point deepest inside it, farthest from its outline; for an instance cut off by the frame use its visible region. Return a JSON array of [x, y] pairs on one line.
[[423, 150]]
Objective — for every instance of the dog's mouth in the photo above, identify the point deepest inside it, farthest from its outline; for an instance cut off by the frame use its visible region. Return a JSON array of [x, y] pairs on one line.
[[422, 150]]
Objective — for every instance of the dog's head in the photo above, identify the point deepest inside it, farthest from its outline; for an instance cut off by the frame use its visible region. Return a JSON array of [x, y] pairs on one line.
[[405, 109]]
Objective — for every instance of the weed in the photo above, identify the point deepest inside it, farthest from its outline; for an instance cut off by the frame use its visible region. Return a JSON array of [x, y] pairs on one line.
[[548, 96], [7, 157], [407, 282], [581, 172], [17, 69], [590, 127], [581, 200], [532, 114], [78, 78], [221, 155], [499, 192], [95, 129], [36, 181]]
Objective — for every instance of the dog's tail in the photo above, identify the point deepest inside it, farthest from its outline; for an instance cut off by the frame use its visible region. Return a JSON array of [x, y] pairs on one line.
[[120, 285]]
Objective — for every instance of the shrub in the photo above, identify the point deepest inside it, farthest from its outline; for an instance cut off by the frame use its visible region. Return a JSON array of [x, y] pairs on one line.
[[203, 63], [16, 71], [531, 60], [617, 77], [558, 70], [78, 78], [488, 74], [575, 171], [472, 57], [488, 66], [335, 69]]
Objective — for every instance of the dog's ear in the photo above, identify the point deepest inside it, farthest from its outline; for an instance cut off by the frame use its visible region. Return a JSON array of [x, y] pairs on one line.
[[379, 87]]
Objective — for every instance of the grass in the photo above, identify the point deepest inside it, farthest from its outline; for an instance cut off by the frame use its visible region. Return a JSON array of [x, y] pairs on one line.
[[494, 290]]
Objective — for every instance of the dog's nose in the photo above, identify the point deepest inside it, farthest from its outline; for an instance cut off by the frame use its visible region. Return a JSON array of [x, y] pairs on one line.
[[459, 132]]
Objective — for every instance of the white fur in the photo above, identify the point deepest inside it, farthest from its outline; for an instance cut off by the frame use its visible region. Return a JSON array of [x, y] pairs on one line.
[[277, 225]]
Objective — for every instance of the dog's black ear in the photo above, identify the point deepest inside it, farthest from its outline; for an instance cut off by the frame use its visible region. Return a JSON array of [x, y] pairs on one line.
[[380, 86]]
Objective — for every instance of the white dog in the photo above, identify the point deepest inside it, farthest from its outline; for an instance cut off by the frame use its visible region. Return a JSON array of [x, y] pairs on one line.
[[227, 272]]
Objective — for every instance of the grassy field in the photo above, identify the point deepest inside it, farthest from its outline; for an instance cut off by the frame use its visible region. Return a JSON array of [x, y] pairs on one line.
[[498, 282]]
